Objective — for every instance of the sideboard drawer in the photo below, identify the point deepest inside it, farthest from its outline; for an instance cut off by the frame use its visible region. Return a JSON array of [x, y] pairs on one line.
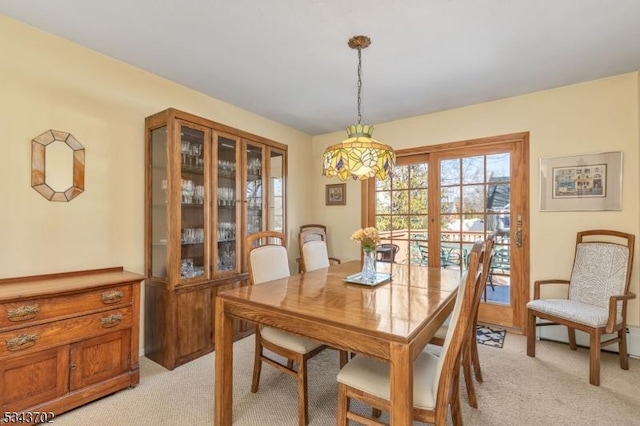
[[38, 337], [24, 312]]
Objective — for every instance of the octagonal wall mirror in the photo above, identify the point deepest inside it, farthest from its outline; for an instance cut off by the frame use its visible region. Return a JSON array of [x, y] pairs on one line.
[[57, 166]]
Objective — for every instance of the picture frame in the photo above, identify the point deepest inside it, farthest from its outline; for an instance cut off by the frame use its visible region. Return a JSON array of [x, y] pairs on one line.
[[588, 182], [335, 194]]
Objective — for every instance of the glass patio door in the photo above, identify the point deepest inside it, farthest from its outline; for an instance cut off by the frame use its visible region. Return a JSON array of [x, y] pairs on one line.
[[436, 205]]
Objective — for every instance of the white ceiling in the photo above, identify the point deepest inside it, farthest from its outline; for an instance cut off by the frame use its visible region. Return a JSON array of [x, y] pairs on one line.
[[288, 60]]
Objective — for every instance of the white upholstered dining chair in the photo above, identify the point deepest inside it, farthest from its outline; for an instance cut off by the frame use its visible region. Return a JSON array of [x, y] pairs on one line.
[[597, 296], [470, 357], [435, 379], [313, 248], [268, 260]]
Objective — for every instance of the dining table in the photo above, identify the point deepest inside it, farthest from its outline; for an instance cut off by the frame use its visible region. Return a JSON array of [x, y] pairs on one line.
[[392, 321]]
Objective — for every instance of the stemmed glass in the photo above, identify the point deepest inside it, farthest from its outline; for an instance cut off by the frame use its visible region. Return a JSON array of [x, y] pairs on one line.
[[187, 191], [186, 148]]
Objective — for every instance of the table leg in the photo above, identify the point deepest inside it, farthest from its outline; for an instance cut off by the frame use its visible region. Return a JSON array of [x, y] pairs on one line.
[[223, 387], [401, 385]]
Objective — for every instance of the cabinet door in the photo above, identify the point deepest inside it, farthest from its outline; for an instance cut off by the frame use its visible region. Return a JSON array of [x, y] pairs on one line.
[[227, 212], [195, 324], [29, 380], [276, 202], [193, 200], [253, 201], [241, 328], [157, 202], [101, 358]]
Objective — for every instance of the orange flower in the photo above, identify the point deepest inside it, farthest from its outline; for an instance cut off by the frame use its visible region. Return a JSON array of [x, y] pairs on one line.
[[368, 237]]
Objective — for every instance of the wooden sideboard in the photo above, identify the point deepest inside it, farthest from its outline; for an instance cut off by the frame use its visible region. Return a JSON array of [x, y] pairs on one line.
[[67, 339]]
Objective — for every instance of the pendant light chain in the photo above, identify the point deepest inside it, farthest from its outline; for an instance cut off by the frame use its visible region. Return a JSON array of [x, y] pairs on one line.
[[359, 85], [359, 156]]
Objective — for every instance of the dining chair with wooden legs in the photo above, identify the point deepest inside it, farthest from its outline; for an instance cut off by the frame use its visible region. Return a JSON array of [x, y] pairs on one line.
[[470, 358], [486, 269], [268, 260], [314, 254], [596, 297], [435, 379]]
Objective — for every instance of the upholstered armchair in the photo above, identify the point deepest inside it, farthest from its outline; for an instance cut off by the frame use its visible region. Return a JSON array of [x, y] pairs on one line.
[[597, 296]]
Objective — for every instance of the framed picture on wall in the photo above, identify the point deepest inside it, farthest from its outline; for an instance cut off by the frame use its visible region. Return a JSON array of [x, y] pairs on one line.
[[581, 182], [336, 194]]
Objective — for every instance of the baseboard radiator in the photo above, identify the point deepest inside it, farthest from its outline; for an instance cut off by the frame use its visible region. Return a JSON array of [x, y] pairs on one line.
[[559, 334]]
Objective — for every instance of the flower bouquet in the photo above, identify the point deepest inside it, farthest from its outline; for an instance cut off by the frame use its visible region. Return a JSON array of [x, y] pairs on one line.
[[368, 238]]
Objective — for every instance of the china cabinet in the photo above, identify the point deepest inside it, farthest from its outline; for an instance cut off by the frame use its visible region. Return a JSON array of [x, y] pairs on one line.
[[208, 186], [67, 339]]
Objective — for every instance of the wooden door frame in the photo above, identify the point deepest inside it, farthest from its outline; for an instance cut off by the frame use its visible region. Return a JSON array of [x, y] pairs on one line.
[[520, 206]]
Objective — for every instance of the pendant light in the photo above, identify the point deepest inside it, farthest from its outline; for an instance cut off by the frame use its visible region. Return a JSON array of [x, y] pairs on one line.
[[359, 156]]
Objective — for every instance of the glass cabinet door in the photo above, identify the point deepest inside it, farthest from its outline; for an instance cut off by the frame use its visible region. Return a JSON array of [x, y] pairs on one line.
[[253, 188], [276, 201], [193, 228], [158, 185], [226, 214]]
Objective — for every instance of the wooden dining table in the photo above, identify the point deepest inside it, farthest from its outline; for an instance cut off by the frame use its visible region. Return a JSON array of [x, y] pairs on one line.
[[392, 321]]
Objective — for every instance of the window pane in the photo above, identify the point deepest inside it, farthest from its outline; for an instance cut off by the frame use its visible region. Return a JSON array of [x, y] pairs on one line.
[[451, 223], [383, 202], [400, 177], [473, 199], [473, 170], [419, 223], [450, 199], [400, 203], [419, 201], [498, 197], [499, 167], [383, 184], [419, 176], [383, 223], [399, 223], [449, 172]]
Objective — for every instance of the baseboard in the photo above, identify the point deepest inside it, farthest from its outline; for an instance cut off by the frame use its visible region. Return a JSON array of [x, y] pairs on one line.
[[558, 333]]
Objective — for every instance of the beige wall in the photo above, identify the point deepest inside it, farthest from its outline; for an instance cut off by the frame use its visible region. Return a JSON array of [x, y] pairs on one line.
[[49, 83], [592, 117]]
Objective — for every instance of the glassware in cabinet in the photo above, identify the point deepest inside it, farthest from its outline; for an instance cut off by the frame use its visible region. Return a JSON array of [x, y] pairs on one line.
[[253, 188], [226, 214], [193, 250]]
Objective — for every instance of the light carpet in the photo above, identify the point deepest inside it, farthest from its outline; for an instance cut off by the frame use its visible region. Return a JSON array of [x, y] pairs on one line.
[[551, 389]]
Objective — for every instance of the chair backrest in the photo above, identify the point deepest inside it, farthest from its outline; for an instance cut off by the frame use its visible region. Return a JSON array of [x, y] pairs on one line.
[[311, 232], [314, 256], [486, 261], [601, 268], [313, 247], [267, 257], [448, 362], [387, 252]]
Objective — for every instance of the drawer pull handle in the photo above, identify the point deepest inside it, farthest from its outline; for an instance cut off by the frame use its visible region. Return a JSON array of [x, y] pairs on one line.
[[21, 342], [113, 296], [23, 313], [111, 321]]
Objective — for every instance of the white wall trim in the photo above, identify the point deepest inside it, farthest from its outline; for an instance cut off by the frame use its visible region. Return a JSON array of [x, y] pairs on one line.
[[558, 333]]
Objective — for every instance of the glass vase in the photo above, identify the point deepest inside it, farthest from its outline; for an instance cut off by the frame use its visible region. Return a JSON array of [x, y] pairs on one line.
[[368, 264]]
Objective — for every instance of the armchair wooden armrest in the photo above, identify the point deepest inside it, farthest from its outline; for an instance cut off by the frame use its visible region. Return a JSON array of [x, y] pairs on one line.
[[613, 309], [334, 260], [540, 283]]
